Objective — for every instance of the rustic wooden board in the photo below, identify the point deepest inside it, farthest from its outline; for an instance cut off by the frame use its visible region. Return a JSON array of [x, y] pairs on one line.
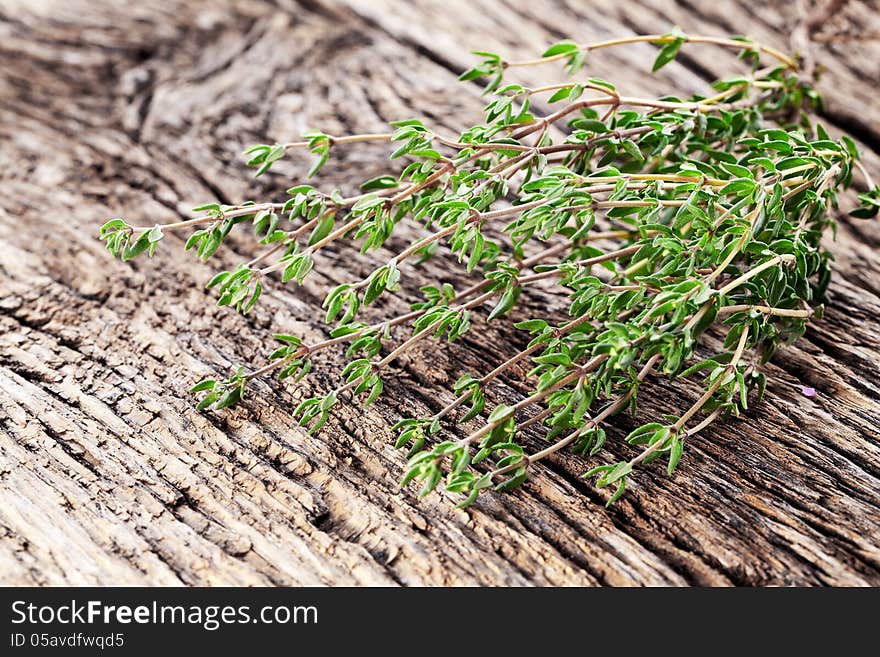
[[107, 474]]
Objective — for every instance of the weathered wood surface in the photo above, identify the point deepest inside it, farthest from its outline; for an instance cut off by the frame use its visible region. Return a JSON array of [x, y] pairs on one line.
[[108, 475]]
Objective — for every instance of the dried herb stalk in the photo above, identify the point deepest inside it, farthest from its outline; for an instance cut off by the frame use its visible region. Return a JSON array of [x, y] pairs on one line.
[[658, 219]]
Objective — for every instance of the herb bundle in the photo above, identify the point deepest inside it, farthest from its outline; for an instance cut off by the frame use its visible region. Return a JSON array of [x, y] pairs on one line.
[[658, 218]]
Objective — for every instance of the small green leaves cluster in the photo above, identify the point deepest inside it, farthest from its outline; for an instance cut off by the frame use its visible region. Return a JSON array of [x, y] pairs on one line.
[[207, 241], [384, 278], [296, 265], [240, 288], [220, 394], [122, 243], [491, 67], [263, 156], [664, 219]]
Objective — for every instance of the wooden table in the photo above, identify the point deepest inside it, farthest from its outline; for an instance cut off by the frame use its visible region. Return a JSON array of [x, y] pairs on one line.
[[109, 476]]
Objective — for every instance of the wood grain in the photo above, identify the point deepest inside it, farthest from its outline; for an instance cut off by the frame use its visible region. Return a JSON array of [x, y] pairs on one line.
[[108, 475]]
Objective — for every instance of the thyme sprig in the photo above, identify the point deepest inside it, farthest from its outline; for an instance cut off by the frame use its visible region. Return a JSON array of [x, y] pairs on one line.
[[660, 220]]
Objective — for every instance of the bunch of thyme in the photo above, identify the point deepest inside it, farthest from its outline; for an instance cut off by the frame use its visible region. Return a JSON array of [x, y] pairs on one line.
[[658, 218]]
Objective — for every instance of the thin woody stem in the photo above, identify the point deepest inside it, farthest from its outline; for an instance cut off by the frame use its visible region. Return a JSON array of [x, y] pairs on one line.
[[237, 211], [575, 374], [693, 410], [609, 410], [731, 366], [662, 39], [867, 176], [347, 139], [449, 167], [464, 294], [510, 362], [587, 262], [244, 210], [500, 369], [282, 244], [772, 262]]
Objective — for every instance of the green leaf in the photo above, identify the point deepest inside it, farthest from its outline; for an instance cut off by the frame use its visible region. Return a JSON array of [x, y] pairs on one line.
[[531, 325], [869, 205], [112, 226], [329, 401], [208, 207], [218, 278], [739, 187], [667, 53], [250, 303], [275, 153], [377, 285], [675, 454], [138, 247], [505, 303], [380, 182], [229, 398], [196, 238], [619, 471], [562, 48], [864, 212], [500, 412], [560, 94], [783, 147], [850, 146], [738, 171], [206, 401], [632, 149], [638, 435], [513, 481], [374, 392], [323, 154], [322, 229], [618, 493], [206, 384]]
